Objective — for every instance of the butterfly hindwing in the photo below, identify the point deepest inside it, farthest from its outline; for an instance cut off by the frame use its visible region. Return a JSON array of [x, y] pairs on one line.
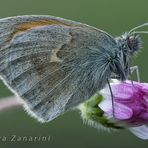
[[51, 63]]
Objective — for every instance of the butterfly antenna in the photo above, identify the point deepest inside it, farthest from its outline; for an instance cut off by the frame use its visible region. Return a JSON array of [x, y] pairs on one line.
[[112, 97], [133, 31]]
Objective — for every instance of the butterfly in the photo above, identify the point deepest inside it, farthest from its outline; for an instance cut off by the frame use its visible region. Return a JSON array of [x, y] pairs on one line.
[[54, 64]]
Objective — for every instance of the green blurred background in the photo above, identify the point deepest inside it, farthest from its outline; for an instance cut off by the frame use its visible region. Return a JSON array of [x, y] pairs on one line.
[[113, 16]]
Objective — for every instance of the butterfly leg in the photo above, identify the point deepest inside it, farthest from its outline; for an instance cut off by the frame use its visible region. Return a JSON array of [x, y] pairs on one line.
[[135, 68], [112, 97]]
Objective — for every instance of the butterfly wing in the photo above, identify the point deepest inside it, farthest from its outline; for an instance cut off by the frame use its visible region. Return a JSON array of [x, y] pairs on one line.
[[53, 64]]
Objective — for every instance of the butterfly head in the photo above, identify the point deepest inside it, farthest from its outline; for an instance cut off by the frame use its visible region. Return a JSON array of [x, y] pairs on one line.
[[129, 44]]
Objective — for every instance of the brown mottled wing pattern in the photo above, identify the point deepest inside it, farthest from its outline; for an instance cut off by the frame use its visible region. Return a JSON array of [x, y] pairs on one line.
[[52, 63]]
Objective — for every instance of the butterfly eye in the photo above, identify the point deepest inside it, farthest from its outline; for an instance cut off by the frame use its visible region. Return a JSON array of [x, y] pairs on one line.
[[134, 43], [131, 42]]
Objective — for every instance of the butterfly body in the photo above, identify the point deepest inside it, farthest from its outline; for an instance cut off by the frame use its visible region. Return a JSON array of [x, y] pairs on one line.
[[54, 64]]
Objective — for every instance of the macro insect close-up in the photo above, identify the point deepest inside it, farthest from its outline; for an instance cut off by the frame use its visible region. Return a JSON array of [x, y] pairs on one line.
[[54, 65]]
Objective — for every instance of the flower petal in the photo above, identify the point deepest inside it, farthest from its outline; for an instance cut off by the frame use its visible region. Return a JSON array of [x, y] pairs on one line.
[[122, 91], [106, 93], [106, 105], [122, 112], [141, 131]]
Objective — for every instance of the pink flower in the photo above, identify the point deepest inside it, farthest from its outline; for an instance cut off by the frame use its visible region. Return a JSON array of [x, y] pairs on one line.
[[130, 106]]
